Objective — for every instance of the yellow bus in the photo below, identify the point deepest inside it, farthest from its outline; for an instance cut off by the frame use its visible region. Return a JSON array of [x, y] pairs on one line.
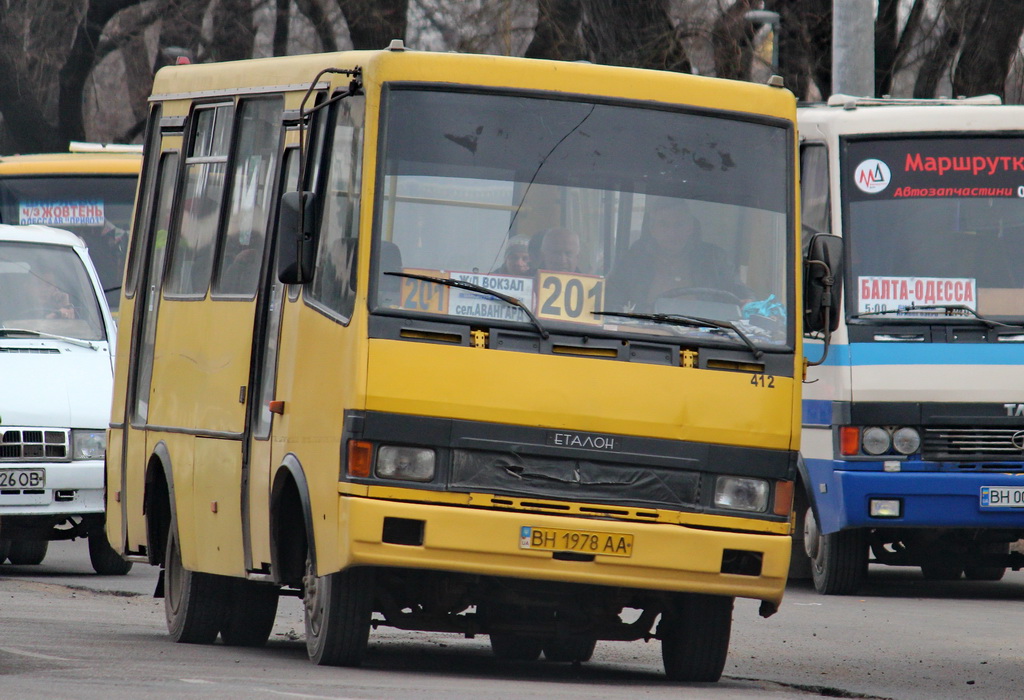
[[398, 337], [90, 191]]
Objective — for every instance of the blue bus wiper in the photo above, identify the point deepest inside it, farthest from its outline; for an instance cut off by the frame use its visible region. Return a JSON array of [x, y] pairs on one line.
[[690, 321], [967, 314], [461, 284]]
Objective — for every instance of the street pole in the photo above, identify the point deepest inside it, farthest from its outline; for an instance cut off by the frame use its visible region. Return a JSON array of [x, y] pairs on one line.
[[853, 47]]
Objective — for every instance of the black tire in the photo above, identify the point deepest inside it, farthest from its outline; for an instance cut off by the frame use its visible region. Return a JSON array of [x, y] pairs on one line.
[[941, 572], [694, 634], [337, 610], [193, 602], [799, 562], [27, 552], [105, 561], [5, 547], [569, 649], [988, 573], [516, 647], [839, 561], [250, 614]]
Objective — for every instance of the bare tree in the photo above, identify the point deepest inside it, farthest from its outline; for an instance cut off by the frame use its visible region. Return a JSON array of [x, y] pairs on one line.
[[991, 39], [557, 35], [732, 39], [638, 33]]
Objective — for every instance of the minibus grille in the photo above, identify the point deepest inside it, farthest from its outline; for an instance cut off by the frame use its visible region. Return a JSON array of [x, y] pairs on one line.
[[34, 444], [973, 444]]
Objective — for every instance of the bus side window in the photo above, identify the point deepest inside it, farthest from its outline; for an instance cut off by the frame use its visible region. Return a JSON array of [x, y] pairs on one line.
[[205, 168], [252, 186], [334, 279], [814, 190]]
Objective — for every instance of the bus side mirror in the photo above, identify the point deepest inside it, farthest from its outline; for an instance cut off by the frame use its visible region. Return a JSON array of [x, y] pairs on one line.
[[296, 242], [823, 283]]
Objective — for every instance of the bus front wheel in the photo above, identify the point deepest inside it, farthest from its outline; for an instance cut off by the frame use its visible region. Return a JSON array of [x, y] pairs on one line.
[[193, 601], [839, 560], [694, 634], [337, 609]]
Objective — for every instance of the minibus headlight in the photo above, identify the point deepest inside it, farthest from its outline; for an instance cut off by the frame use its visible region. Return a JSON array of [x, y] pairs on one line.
[[741, 493], [88, 444], [405, 463], [875, 441], [906, 441]]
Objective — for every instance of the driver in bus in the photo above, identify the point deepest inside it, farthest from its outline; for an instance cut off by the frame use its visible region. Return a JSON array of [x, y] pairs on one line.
[[669, 257]]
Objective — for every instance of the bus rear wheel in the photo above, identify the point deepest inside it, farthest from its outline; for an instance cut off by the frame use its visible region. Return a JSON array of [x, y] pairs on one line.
[[28, 552], [569, 649], [839, 561], [249, 617], [337, 610], [516, 647], [193, 602], [694, 633]]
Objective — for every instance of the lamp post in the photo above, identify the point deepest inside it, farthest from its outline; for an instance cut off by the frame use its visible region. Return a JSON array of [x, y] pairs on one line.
[[772, 19]]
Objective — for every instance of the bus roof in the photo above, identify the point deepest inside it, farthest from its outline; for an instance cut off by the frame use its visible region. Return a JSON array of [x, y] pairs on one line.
[[844, 114], [77, 163], [295, 73]]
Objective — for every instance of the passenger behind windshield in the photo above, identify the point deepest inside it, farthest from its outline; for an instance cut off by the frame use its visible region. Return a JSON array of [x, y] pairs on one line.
[[517, 258], [558, 250], [671, 260]]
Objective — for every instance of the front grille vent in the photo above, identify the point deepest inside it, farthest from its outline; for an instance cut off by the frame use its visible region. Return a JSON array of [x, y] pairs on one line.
[[31, 351], [34, 445], [993, 444]]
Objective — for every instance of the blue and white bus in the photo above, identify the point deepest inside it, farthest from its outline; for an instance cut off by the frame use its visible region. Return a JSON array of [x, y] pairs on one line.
[[913, 425]]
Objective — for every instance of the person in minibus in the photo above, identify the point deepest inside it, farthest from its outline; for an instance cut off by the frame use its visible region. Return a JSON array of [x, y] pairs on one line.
[[670, 256]]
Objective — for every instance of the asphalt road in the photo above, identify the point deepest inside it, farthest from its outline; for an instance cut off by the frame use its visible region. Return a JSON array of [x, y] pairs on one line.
[[68, 633]]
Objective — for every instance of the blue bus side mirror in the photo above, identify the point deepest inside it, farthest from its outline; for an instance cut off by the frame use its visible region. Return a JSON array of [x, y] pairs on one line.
[[823, 283], [296, 239]]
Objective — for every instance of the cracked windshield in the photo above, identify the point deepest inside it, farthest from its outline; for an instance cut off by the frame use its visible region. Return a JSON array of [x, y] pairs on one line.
[[592, 218], [935, 222]]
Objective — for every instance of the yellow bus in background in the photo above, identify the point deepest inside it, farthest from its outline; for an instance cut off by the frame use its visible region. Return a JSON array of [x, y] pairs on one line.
[[90, 191], [396, 338]]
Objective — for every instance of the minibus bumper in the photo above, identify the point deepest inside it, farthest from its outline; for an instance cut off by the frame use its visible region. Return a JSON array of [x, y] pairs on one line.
[[667, 557]]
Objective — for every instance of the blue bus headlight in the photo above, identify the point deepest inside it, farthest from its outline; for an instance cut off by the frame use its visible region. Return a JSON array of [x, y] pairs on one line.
[[906, 441], [875, 441], [741, 493], [405, 463], [88, 444]]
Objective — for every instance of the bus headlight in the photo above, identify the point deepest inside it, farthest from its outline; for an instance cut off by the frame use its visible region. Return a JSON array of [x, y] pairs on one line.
[[405, 463], [906, 441], [88, 444], [741, 493], [875, 441]]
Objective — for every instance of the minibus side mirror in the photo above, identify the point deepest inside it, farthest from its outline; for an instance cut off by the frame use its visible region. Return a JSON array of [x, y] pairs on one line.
[[296, 242], [823, 283]]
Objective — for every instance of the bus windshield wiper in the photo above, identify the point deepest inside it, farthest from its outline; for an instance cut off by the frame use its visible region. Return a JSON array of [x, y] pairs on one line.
[[690, 321], [971, 314], [447, 282], [40, 334]]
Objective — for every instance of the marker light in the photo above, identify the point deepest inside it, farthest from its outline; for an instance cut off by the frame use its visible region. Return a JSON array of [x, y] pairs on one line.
[[360, 454], [884, 508], [849, 440]]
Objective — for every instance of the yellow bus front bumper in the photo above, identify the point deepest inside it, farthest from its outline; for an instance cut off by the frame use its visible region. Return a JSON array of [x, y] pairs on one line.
[[667, 557]]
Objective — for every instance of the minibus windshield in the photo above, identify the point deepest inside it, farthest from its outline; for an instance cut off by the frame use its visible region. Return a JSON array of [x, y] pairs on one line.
[[576, 207]]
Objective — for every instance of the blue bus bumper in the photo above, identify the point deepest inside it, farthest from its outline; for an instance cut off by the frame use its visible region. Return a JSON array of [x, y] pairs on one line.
[[933, 499]]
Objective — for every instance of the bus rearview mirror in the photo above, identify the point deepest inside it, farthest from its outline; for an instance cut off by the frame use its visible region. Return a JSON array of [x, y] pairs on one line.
[[823, 283], [296, 242]]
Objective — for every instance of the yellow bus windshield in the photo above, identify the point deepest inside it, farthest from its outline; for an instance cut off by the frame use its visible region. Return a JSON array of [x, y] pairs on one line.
[[98, 208], [594, 216]]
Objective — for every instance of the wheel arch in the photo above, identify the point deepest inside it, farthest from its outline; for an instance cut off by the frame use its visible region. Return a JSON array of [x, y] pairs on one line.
[[159, 504], [291, 522]]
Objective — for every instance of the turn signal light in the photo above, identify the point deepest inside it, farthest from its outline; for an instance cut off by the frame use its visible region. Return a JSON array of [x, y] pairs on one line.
[[360, 458]]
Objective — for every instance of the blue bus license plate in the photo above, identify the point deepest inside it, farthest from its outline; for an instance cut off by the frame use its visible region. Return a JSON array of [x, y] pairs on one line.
[[1002, 496]]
